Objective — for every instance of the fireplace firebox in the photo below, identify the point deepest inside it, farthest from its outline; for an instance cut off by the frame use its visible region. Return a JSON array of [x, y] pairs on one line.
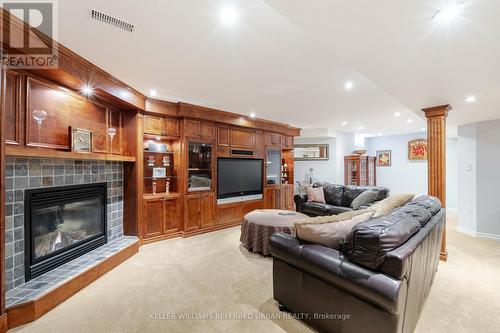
[[61, 224]]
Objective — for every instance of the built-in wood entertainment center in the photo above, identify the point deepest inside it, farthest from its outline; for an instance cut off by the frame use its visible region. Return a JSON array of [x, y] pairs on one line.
[[155, 143]]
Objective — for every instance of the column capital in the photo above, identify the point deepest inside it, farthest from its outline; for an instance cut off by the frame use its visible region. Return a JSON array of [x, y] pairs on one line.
[[437, 111]]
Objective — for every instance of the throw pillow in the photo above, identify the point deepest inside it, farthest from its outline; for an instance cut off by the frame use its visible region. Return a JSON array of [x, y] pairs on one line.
[[302, 187], [365, 198], [329, 231], [315, 194], [387, 205]]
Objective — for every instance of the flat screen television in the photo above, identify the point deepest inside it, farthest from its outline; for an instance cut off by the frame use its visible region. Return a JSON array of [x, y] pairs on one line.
[[239, 179]]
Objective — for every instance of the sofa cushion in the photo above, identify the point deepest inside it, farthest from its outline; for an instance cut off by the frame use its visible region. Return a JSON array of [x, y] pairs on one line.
[[315, 194], [350, 193], [335, 210], [382, 193], [365, 198], [371, 240], [333, 193], [315, 208], [387, 205], [329, 230]]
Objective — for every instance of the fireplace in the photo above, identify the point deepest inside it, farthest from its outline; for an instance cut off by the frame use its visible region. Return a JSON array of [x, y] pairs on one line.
[[61, 224]]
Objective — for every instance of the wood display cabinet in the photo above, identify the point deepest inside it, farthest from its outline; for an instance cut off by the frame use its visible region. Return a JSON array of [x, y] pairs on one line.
[[199, 212], [360, 170], [161, 215], [279, 190], [163, 126]]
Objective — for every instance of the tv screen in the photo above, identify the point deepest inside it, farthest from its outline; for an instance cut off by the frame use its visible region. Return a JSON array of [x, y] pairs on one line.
[[238, 177]]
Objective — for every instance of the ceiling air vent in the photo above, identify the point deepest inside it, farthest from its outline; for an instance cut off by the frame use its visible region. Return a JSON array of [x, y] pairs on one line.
[[105, 18]]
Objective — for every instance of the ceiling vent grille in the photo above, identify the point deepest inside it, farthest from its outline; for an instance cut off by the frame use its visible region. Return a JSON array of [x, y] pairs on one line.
[[99, 16]]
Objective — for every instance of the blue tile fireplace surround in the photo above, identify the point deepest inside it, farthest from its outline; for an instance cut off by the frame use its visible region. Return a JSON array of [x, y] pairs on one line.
[[23, 174]]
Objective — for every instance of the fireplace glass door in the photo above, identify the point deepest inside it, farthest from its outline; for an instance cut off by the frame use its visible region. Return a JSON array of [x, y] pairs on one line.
[[62, 225]]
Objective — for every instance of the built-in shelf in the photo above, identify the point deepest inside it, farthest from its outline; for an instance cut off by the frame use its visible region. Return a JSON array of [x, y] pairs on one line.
[[198, 169], [163, 195], [161, 177], [158, 152], [51, 153]]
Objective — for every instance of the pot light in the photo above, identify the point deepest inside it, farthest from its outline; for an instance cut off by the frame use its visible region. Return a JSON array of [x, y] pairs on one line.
[[344, 123], [409, 121], [471, 99], [348, 85], [253, 115], [450, 12], [152, 93], [87, 90], [229, 16], [397, 114]]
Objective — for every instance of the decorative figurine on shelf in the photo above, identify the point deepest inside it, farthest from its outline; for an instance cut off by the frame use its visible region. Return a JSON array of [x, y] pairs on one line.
[[166, 161], [111, 133], [154, 185], [167, 186], [151, 160]]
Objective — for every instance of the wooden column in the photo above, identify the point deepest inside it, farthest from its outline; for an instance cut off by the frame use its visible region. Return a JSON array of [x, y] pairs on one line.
[[436, 137]]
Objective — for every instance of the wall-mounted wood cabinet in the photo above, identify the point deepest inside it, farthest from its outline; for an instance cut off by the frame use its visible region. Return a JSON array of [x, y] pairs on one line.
[[199, 211], [199, 129], [164, 126], [161, 217]]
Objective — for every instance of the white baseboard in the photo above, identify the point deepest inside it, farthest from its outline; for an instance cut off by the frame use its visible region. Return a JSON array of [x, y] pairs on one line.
[[476, 234]]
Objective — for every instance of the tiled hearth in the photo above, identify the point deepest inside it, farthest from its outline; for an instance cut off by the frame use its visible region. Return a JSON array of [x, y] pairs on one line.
[[43, 284], [28, 173]]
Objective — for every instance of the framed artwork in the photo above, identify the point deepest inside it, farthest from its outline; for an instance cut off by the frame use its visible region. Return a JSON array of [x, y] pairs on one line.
[[417, 150], [159, 172], [383, 158]]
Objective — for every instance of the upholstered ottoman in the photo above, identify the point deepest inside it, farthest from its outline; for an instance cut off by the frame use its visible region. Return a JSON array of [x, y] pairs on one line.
[[259, 225]]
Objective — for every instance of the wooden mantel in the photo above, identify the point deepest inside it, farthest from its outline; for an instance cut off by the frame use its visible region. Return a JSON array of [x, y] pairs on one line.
[[436, 136]]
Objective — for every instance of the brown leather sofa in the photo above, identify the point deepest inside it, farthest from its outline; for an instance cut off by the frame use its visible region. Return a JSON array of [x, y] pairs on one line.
[[377, 283]]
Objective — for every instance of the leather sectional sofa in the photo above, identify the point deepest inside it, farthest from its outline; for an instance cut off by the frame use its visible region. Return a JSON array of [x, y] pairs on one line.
[[338, 199], [377, 282]]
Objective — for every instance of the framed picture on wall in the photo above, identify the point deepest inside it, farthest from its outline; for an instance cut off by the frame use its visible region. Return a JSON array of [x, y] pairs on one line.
[[383, 158], [417, 150]]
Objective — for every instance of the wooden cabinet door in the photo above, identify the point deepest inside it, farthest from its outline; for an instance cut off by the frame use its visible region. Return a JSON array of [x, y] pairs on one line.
[[153, 218], [207, 210], [282, 198], [289, 142], [192, 212], [242, 138], [288, 194], [223, 136], [171, 127], [171, 220], [115, 121], [12, 100], [207, 130], [153, 125], [192, 128]]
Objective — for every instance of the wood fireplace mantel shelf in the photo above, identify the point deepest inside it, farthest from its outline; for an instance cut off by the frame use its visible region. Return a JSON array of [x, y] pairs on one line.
[[51, 153]]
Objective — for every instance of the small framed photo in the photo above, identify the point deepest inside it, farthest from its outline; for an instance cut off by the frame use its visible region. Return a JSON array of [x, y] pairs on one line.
[[384, 158], [81, 140], [159, 172]]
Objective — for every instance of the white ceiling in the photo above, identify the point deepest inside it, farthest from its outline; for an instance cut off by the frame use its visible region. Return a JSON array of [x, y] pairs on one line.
[[288, 60]]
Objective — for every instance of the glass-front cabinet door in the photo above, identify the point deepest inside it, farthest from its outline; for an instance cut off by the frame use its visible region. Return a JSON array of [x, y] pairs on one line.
[[273, 166], [199, 166]]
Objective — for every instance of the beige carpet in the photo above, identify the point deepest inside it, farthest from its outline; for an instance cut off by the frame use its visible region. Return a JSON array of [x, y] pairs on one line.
[[212, 275]]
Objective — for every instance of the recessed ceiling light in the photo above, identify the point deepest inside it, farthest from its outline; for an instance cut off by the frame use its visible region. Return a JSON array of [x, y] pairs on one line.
[[397, 114], [361, 128], [87, 90], [471, 99], [229, 16], [253, 115], [152, 93], [348, 85], [344, 123], [450, 12], [409, 120]]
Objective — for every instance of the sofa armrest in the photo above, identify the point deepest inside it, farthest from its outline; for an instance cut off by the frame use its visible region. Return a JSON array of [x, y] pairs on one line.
[[299, 199], [332, 267]]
